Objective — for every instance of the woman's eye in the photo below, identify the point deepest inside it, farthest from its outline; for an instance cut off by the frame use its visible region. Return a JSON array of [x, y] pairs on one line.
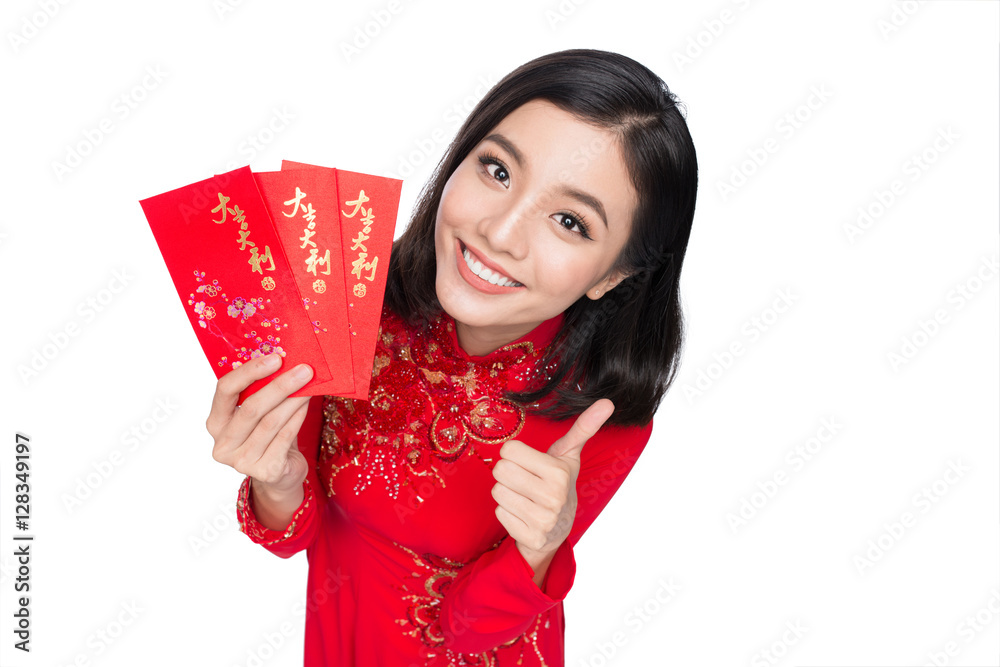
[[500, 174], [570, 221]]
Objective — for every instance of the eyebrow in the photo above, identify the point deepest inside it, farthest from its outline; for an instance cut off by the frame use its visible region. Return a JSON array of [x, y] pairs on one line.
[[586, 199]]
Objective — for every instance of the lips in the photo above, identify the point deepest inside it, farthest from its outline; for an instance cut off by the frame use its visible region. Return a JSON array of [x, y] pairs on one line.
[[489, 265], [474, 280]]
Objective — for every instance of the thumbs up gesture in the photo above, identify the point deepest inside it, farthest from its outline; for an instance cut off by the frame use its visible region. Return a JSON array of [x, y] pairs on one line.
[[536, 491]]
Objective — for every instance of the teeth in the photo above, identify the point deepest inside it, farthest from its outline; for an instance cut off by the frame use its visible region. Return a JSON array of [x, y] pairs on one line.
[[486, 274]]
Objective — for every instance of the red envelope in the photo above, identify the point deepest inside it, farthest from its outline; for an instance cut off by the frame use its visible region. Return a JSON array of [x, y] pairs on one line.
[[233, 277], [368, 208], [304, 208]]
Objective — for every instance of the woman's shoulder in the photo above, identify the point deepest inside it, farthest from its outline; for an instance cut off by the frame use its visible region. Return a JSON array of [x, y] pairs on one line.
[[616, 436]]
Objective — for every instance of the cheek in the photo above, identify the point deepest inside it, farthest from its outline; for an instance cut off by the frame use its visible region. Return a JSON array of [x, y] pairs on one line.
[[561, 270], [461, 202]]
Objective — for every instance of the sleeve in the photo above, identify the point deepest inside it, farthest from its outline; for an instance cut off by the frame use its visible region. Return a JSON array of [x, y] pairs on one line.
[[304, 525], [494, 599]]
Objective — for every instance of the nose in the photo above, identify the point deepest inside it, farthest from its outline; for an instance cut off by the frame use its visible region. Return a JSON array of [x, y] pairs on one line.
[[507, 229]]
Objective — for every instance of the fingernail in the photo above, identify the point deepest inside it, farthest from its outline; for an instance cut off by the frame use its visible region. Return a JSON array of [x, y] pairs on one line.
[[302, 372], [271, 360]]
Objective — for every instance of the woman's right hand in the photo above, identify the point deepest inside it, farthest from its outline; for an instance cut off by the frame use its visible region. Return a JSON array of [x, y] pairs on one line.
[[259, 438]]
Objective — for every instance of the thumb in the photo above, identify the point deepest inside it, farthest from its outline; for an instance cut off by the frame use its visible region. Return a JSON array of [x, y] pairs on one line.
[[585, 426]]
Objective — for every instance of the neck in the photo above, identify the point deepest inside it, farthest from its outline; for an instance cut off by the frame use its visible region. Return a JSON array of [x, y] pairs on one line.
[[480, 341]]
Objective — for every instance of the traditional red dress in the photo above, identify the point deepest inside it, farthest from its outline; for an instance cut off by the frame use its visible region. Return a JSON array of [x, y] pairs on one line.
[[408, 564]]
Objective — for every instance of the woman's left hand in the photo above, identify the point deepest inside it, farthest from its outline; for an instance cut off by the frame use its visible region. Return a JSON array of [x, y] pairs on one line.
[[536, 491]]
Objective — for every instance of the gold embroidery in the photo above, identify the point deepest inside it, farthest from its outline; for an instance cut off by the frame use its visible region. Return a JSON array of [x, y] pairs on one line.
[[256, 530], [433, 576], [467, 381], [433, 376], [422, 414], [381, 361]]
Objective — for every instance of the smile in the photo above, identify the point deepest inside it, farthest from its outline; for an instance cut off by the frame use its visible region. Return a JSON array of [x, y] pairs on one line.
[[480, 277]]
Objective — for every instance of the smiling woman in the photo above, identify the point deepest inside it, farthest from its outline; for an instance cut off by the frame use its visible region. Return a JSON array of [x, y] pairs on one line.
[[530, 329], [521, 222], [593, 145]]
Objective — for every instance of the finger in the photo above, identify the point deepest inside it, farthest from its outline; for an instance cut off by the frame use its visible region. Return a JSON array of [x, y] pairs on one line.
[[256, 408], [230, 385], [271, 427], [513, 523], [526, 456], [271, 465], [584, 428], [529, 484]]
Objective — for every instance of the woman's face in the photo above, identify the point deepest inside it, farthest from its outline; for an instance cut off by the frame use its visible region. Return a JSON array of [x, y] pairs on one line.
[[546, 200]]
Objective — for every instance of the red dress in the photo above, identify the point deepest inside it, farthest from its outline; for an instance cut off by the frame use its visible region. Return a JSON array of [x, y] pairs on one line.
[[408, 564]]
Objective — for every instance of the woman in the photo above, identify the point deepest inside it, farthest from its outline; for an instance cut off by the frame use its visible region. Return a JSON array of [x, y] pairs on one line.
[[531, 327]]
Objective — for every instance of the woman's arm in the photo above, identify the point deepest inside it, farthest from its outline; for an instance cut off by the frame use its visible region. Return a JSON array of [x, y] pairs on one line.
[[274, 509], [286, 523], [496, 597]]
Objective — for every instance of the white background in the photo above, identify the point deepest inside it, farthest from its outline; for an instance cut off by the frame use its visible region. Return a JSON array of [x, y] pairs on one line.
[[894, 76]]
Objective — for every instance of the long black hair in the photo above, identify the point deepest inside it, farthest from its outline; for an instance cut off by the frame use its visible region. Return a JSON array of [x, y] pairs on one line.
[[625, 346]]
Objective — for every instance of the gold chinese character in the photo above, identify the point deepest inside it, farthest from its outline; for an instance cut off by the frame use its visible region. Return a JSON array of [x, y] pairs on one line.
[[222, 206], [360, 265], [310, 215], [357, 205], [243, 239], [306, 238], [256, 259], [359, 242], [296, 200], [315, 260], [369, 217]]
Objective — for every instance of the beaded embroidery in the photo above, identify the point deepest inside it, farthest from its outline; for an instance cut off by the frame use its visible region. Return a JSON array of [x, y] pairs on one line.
[[432, 580], [427, 408], [257, 531]]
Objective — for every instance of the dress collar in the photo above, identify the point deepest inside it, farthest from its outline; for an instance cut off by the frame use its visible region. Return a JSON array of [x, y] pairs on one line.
[[539, 337]]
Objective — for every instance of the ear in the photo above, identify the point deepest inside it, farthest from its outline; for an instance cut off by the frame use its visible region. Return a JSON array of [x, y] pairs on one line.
[[606, 285]]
